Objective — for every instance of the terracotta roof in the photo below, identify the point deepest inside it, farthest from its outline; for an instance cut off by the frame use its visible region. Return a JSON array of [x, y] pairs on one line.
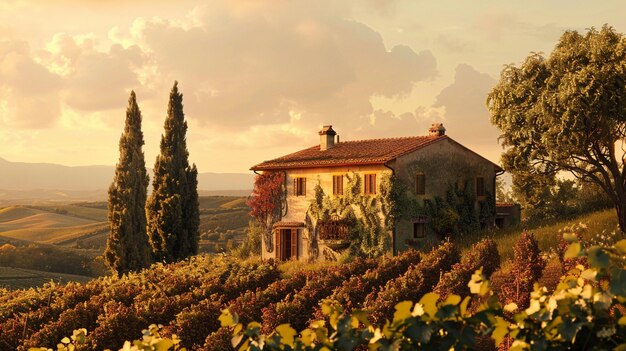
[[356, 152]]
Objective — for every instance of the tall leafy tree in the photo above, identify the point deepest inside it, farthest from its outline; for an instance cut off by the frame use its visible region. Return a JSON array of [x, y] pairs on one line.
[[127, 246], [172, 209], [567, 112], [268, 202]]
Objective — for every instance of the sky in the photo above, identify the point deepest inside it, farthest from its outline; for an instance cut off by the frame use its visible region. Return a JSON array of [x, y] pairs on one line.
[[260, 78]]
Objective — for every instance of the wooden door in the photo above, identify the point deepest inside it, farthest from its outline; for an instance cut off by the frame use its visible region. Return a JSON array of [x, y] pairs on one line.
[[294, 243], [277, 242]]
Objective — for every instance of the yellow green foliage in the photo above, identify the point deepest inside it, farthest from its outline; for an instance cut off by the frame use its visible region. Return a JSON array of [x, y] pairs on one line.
[[584, 312]]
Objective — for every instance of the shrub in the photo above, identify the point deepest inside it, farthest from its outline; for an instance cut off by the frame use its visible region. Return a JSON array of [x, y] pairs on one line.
[[295, 309], [482, 254], [418, 280], [194, 323], [352, 293], [527, 267]]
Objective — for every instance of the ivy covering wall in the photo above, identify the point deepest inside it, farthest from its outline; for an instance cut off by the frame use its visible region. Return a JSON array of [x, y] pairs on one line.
[[454, 215], [372, 218], [369, 217]]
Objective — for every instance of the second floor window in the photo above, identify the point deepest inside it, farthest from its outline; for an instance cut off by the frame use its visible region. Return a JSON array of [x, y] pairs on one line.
[[480, 186], [299, 186], [338, 185], [370, 184], [420, 184]]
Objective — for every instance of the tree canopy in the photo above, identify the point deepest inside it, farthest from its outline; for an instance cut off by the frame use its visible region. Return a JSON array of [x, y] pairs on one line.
[[567, 112], [267, 202], [173, 209], [127, 245]]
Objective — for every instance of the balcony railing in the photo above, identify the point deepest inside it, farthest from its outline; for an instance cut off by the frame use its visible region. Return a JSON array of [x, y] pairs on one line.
[[334, 229]]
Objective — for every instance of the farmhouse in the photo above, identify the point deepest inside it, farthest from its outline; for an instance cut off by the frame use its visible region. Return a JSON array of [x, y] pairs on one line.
[[378, 196]]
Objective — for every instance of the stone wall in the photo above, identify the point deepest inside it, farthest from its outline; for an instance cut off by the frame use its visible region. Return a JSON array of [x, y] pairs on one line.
[[444, 164]]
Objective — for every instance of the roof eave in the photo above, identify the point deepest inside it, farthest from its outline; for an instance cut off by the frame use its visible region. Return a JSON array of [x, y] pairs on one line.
[[330, 165]]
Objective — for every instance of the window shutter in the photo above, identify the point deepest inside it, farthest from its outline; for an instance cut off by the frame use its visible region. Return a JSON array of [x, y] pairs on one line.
[[373, 184], [480, 186], [278, 246], [420, 184], [341, 184], [295, 186], [294, 243], [304, 186]]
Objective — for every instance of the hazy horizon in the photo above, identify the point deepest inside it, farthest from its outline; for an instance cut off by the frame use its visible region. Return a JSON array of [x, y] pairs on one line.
[[260, 78]]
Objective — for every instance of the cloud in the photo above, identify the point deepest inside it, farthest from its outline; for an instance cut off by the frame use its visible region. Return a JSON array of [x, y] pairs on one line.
[[101, 81], [454, 44], [94, 80], [243, 68], [29, 93], [37, 85], [496, 25], [253, 74], [466, 116]]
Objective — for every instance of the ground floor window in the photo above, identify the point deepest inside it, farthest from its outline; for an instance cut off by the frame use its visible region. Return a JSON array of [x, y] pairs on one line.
[[419, 227], [286, 244], [419, 230]]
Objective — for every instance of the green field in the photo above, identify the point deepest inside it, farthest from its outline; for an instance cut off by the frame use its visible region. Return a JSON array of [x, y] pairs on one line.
[[18, 278], [84, 225], [596, 223], [78, 231]]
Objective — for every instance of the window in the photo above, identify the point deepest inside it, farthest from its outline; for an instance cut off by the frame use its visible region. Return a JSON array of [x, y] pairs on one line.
[[420, 184], [480, 186], [370, 184], [338, 185], [419, 230], [299, 186]]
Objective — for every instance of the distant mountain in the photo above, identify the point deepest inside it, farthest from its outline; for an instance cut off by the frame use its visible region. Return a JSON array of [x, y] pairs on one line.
[[32, 180], [29, 176]]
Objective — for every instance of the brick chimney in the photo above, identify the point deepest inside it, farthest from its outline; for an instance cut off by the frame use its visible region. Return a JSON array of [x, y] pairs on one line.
[[327, 138], [437, 129]]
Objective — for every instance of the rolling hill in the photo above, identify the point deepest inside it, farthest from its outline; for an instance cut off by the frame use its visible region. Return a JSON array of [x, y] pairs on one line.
[[84, 225], [19, 278], [59, 224], [69, 238], [22, 182]]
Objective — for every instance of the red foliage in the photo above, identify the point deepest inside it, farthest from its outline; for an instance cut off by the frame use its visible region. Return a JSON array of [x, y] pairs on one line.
[[528, 266], [528, 263], [194, 323], [417, 281], [482, 254], [296, 309], [266, 199], [352, 293]]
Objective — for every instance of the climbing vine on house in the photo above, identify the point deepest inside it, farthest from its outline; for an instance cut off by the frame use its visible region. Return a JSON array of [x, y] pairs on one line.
[[372, 219], [370, 231], [268, 203], [453, 215]]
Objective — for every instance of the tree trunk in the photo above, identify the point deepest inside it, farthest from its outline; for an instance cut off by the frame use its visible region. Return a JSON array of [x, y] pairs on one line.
[[621, 217], [620, 207]]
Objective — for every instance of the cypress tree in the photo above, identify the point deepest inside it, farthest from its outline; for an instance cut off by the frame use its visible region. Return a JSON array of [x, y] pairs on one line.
[[127, 245], [172, 209]]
